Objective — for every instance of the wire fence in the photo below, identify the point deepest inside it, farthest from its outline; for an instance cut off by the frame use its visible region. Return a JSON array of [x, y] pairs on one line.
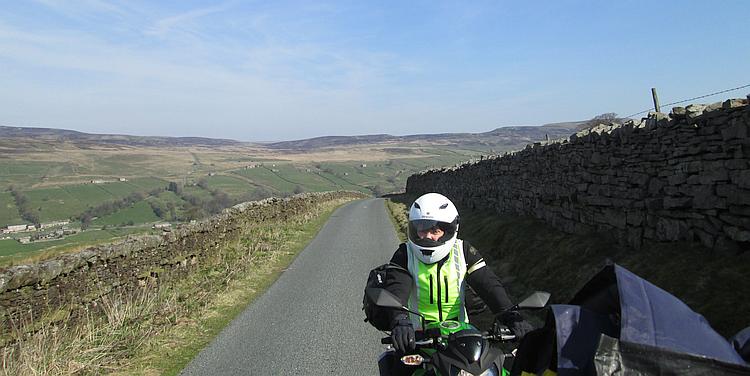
[[691, 99]]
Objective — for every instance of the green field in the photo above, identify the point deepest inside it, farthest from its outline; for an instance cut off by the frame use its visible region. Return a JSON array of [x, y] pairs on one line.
[[197, 191], [8, 210], [148, 183], [230, 185], [115, 165], [391, 175], [12, 250], [16, 168], [351, 175], [164, 199], [265, 176], [28, 172], [59, 203], [139, 213], [305, 177], [68, 201], [55, 190], [340, 182], [121, 189], [285, 177]]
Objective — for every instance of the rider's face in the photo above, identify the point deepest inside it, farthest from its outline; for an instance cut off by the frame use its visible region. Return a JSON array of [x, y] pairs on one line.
[[433, 233]]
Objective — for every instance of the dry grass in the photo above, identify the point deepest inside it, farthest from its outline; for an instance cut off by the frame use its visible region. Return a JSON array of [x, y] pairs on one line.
[[92, 345], [399, 217]]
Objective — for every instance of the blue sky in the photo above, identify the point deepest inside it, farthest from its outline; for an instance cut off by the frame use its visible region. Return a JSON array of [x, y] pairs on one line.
[[280, 70]]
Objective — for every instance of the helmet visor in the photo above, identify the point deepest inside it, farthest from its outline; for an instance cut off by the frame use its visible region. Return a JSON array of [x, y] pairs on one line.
[[423, 226]]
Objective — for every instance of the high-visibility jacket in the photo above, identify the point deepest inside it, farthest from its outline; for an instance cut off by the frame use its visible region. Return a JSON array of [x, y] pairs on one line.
[[440, 290]]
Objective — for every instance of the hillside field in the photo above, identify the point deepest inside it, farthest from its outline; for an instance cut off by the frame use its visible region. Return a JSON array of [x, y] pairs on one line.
[[91, 186]]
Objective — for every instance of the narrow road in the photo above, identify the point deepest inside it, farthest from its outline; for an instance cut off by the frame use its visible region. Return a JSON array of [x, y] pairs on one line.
[[310, 321]]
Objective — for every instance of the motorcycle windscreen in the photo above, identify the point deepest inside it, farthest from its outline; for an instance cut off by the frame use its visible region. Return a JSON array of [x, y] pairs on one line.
[[616, 357]]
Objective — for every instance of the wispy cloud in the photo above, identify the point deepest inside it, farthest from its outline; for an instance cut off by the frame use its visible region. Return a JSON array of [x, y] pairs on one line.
[[290, 66], [165, 25]]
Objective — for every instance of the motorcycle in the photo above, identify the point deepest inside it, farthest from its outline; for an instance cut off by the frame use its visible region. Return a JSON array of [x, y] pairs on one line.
[[453, 348]]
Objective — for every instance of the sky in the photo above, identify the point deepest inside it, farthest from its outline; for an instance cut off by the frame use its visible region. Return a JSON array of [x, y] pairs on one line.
[[284, 70]]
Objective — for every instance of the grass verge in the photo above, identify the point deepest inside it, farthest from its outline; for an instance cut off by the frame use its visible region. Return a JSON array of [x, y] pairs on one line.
[[399, 216]]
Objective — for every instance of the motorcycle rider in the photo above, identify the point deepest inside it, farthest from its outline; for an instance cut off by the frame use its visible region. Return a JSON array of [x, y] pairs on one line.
[[438, 265]]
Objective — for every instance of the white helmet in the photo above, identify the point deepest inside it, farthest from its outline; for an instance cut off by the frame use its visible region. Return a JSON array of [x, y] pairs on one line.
[[428, 211]]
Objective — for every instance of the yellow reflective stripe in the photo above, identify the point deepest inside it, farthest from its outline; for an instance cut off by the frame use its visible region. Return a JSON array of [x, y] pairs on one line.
[[413, 266], [460, 268], [454, 270]]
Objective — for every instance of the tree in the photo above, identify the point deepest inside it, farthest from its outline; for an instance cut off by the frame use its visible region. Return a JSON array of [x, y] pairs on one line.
[[606, 118], [203, 183], [22, 203], [194, 212], [378, 190], [85, 221], [158, 211], [298, 189], [172, 211]]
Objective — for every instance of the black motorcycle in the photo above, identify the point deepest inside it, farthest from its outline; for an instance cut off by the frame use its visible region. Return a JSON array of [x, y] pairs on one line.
[[453, 348]]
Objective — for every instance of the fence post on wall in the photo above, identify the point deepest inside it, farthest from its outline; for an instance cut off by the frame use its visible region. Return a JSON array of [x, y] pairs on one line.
[[656, 99]]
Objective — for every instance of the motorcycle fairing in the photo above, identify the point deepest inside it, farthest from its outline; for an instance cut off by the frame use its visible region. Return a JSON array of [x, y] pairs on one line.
[[466, 350]]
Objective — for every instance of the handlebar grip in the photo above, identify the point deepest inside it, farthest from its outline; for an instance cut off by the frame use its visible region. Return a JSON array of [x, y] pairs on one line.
[[386, 341], [499, 337]]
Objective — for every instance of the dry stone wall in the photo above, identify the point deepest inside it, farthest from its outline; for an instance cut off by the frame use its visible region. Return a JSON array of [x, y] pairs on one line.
[[80, 279], [682, 176]]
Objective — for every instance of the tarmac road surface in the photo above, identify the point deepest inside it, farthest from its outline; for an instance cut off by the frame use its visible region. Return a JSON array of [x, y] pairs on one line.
[[309, 322]]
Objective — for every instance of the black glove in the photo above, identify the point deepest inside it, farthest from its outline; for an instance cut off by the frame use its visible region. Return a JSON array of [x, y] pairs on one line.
[[402, 335], [516, 323]]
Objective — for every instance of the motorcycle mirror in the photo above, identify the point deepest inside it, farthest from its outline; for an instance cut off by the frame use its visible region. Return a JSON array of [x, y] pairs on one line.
[[536, 300], [383, 298]]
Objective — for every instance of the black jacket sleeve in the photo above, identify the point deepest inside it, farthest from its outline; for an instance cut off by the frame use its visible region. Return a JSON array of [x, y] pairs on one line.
[[399, 282], [484, 281]]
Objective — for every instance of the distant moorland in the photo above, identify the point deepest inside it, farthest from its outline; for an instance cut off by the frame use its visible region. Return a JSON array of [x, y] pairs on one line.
[[106, 186]]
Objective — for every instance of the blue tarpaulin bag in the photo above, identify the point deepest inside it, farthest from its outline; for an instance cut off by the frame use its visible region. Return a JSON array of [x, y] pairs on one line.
[[621, 324]]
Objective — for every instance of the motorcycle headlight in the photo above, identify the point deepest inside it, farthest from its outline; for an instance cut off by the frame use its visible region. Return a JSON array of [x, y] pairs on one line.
[[492, 371]]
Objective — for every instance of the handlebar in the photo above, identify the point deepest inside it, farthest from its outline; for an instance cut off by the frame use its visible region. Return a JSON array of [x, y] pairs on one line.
[[499, 337], [422, 340]]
